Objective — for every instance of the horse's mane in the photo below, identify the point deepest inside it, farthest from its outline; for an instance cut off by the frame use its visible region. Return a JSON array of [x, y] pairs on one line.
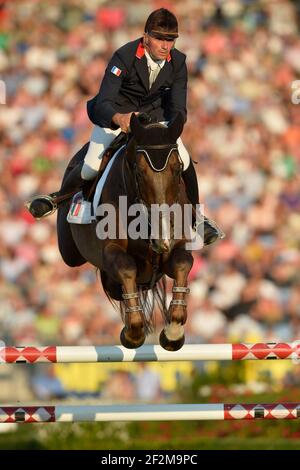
[[155, 124]]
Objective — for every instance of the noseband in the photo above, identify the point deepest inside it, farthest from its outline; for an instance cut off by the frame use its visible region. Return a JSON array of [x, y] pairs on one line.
[[144, 149]]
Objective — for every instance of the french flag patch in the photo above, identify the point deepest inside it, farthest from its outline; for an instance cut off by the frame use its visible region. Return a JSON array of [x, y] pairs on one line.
[[116, 71]]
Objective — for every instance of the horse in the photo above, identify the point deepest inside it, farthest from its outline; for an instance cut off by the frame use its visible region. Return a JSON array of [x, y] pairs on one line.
[[148, 172]]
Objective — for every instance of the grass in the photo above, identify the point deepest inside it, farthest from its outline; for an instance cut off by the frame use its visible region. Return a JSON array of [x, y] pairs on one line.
[[178, 435], [258, 435]]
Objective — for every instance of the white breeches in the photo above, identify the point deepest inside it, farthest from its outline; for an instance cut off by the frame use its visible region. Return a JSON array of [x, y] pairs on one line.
[[101, 138]]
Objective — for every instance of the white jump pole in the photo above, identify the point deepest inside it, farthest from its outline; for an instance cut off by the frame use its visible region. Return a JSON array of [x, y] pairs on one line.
[[147, 353], [161, 412]]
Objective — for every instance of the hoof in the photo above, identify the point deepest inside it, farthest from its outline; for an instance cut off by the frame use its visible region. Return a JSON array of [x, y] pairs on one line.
[[130, 343], [170, 345]]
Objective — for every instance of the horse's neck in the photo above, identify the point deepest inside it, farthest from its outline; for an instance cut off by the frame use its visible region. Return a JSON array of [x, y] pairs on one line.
[[183, 197]]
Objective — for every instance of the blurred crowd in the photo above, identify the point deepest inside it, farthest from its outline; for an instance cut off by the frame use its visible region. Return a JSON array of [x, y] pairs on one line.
[[243, 130]]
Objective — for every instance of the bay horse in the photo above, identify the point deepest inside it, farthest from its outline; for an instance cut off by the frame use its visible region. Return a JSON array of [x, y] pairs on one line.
[[148, 171]]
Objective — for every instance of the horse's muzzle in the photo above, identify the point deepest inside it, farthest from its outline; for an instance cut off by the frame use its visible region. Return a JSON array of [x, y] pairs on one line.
[[161, 245]]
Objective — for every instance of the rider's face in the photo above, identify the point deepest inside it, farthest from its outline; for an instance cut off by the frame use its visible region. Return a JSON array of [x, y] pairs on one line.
[[158, 48]]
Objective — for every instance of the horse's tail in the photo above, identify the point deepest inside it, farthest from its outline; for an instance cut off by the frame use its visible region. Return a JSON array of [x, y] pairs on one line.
[[160, 295], [147, 299]]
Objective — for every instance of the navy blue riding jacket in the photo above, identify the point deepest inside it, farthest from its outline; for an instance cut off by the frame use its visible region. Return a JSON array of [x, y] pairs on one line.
[[125, 87]]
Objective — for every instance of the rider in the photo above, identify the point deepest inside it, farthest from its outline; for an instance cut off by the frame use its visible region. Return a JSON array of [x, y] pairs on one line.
[[145, 75]]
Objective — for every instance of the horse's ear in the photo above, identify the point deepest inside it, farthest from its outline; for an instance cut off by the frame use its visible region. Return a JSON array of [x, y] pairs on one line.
[[176, 127], [136, 127]]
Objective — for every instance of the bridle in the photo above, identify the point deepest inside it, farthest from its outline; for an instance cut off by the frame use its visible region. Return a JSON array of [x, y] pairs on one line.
[[133, 170], [144, 149]]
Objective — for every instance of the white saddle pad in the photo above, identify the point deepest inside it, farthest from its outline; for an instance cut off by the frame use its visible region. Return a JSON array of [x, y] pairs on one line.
[[101, 182], [80, 211]]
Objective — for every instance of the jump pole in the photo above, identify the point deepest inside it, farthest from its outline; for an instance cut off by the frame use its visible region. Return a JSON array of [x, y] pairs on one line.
[[150, 353], [161, 412]]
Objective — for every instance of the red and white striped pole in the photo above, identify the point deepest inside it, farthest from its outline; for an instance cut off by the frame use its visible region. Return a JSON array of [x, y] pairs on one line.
[[147, 353], [161, 412]]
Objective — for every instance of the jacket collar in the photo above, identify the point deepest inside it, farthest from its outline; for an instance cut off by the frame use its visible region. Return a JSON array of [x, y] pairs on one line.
[[140, 52]]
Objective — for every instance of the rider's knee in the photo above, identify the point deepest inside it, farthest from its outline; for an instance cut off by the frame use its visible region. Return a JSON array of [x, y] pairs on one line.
[[88, 173], [184, 154]]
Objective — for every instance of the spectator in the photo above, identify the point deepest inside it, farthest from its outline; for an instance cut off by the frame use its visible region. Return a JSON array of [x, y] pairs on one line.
[[242, 129]]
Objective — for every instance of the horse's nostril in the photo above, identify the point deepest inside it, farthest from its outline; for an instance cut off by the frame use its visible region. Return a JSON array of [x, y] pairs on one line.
[[160, 246], [166, 245]]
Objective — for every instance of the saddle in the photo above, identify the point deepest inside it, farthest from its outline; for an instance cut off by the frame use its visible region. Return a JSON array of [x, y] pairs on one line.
[[117, 143], [89, 187]]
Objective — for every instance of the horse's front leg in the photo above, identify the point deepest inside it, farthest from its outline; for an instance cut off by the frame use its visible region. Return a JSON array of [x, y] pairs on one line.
[[177, 267], [121, 268]]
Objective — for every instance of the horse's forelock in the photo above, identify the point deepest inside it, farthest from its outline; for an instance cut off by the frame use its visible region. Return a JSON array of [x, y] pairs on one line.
[[154, 133], [155, 125]]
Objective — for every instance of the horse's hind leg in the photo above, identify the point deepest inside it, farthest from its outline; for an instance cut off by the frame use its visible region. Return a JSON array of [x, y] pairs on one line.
[[122, 268], [177, 267]]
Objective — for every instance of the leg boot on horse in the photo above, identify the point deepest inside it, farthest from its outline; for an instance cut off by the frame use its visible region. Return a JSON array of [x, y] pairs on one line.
[[177, 267]]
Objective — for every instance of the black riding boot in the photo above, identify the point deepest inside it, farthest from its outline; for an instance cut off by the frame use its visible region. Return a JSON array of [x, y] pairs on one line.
[[211, 231], [44, 205]]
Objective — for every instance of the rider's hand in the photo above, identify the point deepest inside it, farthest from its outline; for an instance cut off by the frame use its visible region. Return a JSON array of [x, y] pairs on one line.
[[123, 121]]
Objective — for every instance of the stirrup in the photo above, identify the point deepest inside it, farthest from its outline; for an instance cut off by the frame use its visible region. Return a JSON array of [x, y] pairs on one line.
[[45, 197], [212, 224]]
